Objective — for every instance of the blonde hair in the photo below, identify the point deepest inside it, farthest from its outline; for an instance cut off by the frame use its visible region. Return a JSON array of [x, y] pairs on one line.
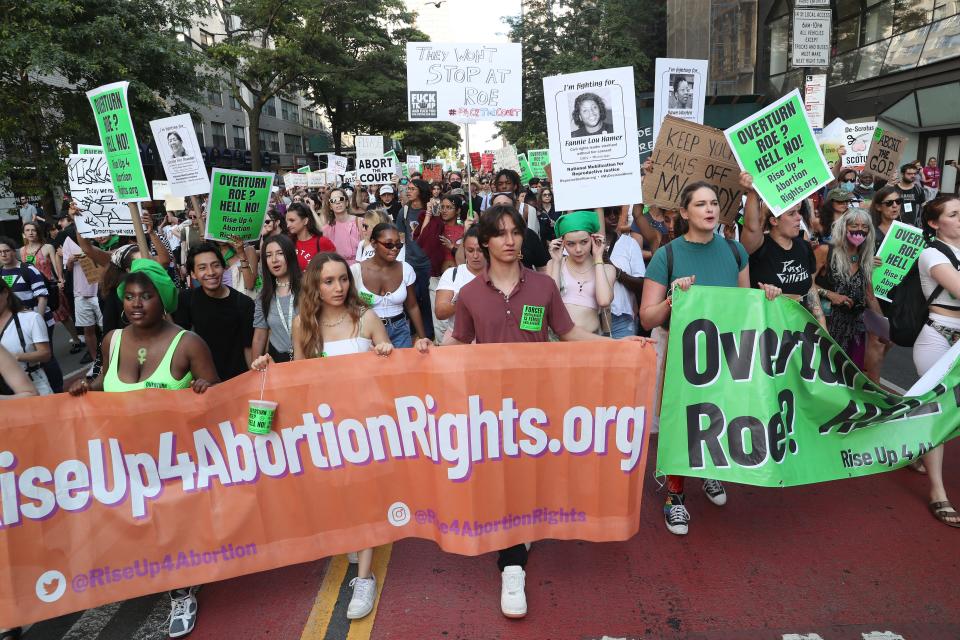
[[839, 261]]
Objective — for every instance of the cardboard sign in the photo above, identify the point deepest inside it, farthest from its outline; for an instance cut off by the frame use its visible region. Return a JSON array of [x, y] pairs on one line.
[[100, 214], [680, 91], [238, 204], [538, 159], [857, 138], [883, 158], [433, 172], [777, 147], [336, 164], [592, 128], [369, 147], [91, 271], [458, 82], [161, 189], [180, 155], [506, 158], [375, 170], [112, 114], [685, 153], [898, 252]]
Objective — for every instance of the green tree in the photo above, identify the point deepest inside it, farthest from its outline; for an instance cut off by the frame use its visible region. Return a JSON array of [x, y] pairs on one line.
[[428, 138], [52, 52], [587, 35]]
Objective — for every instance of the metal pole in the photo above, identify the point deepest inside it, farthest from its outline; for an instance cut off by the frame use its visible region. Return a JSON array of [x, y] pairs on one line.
[[466, 136]]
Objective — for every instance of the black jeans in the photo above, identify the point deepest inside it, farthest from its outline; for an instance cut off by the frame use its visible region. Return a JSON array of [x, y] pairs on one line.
[[515, 555], [422, 289]]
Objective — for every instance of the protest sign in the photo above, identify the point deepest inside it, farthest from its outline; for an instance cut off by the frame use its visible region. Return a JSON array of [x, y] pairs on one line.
[[317, 179], [413, 164], [506, 158], [433, 172], [112, 114], [375, 170], [741, 373], [680, 90], [238, 204], [486, 162], [815, 100], [369, 147], [883, 157], [304, 169], [525, 173], [174, 203], [645, 142], [336, 164], [100, 214], [168, 488], [475, 160], [898, 252], [399, 168], [293, 179], [89, 148], [538, 159], [91, 271], [180, 155], [457, 82], [857, 138], [777, 147], [687, 152], [161, 189], [592, 128], [811, 37]]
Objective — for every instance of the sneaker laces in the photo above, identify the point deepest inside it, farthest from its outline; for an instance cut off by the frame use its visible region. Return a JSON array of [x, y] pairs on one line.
[[513, 582], [713, 487], [678, 514], [362, 586]]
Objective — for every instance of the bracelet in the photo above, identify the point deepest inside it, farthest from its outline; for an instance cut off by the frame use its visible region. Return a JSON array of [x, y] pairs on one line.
[[598, 263]]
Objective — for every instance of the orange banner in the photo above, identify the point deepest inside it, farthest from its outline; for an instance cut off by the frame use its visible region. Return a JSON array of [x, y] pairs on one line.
[[111, 496]]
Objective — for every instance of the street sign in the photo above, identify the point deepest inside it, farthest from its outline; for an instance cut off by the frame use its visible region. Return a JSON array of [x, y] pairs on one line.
[[811, 37]]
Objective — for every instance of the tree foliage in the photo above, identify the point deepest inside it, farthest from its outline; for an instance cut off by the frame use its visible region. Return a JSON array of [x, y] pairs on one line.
[[585, 35]]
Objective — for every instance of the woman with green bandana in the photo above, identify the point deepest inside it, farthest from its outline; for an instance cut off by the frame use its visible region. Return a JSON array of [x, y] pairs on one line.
[[585, 282], [153, 353]]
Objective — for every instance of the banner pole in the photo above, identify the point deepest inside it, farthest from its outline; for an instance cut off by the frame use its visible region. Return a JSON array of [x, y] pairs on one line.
[[138, 229], [466, 137]]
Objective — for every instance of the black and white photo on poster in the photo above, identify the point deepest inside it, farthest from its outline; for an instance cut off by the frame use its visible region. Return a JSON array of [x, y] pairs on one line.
[[680, 90], [590, 113], [180, 155]]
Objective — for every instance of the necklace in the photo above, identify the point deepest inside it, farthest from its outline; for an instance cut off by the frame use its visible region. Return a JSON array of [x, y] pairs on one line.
[[283, 285], [340, 321]]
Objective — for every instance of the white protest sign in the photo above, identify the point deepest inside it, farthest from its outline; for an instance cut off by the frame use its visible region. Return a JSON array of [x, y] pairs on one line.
[[592, 128], [101, 214], [681, 90], [369, 147], [336, 164], [459, 82], [180, 154], [174, 203], [316, 179], [413, 163], [161, 189], [811, 37], [833, 132], [294, 179], [856, 140], [375, 170], [506, 158], [815, 100]]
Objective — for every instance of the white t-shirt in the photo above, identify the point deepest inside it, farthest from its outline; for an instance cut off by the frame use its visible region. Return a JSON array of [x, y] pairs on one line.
[[34, 333], [628, 257], [929, 258], [391, 304], [450, 283]]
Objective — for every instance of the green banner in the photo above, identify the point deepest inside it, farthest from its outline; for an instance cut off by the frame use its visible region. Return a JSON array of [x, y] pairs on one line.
[[899, 251], [85, 149], [525, 173], [112, 113], [238, 204], [756, 392], [397, 165], [538, 159], [304, 169], [777, 147]]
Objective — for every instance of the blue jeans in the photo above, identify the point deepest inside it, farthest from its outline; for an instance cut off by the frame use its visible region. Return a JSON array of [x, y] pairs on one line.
[[399, 332], [622, 326]]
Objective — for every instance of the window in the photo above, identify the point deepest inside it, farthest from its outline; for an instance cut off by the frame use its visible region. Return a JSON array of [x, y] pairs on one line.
[[911, 14], [239, 138], [944, 8], [878, 23], [905, 49], [219, 132], [289, 111], [270, 108], [943, 42], [269, 141], [308, 119], [215, 96], [234, 103], [848, 34], [292, 143], [198, 128], [779, 31], [206, 39]]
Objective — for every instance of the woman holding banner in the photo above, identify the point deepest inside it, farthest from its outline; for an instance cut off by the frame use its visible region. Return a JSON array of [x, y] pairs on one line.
[[843, 276], [698, 257], [334, 322], [276, 306], [154, 353], [340, 225], [940, 281]]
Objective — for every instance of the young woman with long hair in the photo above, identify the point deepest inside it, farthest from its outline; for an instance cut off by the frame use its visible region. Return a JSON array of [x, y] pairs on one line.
[[884, 210], [340, 225], [276, 306], [306, 236], [42, 255]]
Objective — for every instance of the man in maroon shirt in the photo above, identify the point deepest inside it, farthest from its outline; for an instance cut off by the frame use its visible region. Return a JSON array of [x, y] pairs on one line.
[[509, 303]]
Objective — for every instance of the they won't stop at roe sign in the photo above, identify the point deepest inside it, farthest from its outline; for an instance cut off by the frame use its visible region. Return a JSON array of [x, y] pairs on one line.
[[427, 456]]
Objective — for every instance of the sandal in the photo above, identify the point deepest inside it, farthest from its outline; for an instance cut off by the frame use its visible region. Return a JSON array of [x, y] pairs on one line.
[[943, 510]]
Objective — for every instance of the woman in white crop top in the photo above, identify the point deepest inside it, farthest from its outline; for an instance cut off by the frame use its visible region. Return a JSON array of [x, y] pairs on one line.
[[941, 216], [333, 322], [386, 285]]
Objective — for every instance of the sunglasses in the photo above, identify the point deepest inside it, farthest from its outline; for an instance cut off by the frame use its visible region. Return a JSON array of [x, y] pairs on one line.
[[890, 203], [337, 200], [390, 246]]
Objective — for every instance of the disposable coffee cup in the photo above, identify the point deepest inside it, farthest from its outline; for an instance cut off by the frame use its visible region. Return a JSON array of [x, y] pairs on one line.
[[261, 416]]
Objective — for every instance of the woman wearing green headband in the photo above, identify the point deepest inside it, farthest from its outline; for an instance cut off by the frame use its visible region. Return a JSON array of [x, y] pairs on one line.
[[585, 282]]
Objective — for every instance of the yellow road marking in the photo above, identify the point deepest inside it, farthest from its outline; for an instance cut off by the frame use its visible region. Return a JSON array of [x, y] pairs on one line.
[[361, 629], [320, 614]]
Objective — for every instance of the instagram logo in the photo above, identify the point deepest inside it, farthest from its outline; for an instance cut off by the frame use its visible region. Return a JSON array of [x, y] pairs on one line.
[[51, 586], [398, 514]]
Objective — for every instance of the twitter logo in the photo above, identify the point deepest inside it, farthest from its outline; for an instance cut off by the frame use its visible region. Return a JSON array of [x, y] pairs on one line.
[[51, 586]]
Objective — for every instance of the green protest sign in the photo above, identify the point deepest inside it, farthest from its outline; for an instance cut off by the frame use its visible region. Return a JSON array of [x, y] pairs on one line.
[[777, 147], [304, 169], [397, 165], [538, 159], [525, 173], [112, 113], [756, 392], [238, 203], [899, 251], [89, 149]]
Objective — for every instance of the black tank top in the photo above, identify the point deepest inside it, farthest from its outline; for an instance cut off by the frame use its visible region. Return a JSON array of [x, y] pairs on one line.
[[790, 269]]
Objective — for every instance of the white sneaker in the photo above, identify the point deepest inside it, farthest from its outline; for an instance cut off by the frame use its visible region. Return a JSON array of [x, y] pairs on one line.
[[513, 600], [183, 611], [353, 557], [715, 492], [676, 516], [364, 595]]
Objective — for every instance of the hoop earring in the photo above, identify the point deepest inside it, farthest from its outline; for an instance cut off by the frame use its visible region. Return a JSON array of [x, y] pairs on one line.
[[123, 317]]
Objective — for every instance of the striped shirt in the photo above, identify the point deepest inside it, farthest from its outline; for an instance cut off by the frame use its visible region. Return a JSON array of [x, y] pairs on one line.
[[27, 284]]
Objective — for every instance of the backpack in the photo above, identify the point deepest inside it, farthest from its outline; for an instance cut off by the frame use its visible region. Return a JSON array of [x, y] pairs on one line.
[[909, 308]]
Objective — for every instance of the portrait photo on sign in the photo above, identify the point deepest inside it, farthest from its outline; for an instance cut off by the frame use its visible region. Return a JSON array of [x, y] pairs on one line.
[[591, 112], [177, 148], [681, 91]]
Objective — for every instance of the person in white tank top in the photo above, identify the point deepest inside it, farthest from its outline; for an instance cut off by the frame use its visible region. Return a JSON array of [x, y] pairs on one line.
[[333, 322]]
